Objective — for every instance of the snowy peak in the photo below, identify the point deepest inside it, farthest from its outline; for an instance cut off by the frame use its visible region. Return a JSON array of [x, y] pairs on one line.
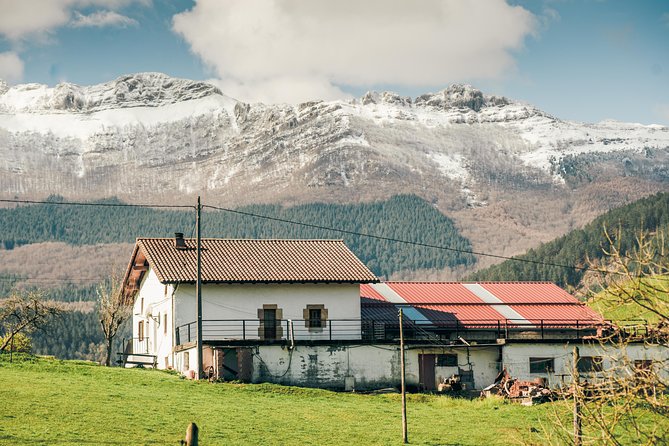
[[136, 90], [458, 96]]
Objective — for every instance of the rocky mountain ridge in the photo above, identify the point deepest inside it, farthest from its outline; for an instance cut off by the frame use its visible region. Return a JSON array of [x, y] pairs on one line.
[[485, 160]]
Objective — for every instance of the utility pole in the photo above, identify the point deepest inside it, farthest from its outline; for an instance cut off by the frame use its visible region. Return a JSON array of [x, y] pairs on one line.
[[405, 434], [198, 288], [578, 433]]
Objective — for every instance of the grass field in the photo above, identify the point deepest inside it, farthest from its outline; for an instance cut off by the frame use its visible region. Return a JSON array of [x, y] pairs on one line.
[[65, 402], [612, 309], [52, 402]]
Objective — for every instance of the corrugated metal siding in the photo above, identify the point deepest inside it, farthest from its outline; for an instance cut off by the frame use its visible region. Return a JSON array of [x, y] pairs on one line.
[[366, 291], [558, 313], [434, 292], [529, 292], [534, 301]]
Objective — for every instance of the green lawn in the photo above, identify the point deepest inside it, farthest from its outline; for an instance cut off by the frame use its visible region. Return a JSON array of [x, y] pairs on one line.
[[52, 402], [66, 402]]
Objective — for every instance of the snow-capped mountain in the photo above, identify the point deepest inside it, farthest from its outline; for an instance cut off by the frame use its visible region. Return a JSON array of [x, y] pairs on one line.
[[148, 137]]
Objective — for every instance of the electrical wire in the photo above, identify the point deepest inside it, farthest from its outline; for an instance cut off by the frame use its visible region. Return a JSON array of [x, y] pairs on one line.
[[80, 203], [396, 240], [325, 228]]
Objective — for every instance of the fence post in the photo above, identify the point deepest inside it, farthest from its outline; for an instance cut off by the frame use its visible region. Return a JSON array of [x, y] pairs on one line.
[[191, 435], [244, 329], [578, 431], [330, 328]]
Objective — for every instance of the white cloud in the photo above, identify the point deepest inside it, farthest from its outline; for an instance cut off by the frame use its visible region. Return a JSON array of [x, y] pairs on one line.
[[280, 89], [21, 19], [11, 67], [287, 47], [101, 19]]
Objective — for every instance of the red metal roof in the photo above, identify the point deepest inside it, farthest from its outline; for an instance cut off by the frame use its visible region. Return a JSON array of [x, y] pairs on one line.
[[434, 292], [533, 302], [529, 292]]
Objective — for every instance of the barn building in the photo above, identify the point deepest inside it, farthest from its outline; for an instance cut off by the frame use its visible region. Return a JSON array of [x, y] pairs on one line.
[[310, 313]]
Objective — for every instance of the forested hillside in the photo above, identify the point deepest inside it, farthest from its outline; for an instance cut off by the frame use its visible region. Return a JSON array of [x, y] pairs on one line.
[[77, 334], [648, 214], [401, 217]]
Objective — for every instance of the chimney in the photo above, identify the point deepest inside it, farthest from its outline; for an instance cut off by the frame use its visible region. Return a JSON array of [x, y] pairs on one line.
[[179, 241]]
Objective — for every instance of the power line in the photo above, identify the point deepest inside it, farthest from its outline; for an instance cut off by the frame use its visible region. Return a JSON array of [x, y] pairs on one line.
[[315, 226], [79, 203], [395, 240]]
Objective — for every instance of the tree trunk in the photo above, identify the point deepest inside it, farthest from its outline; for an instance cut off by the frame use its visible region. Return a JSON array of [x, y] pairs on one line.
[[109, 352]]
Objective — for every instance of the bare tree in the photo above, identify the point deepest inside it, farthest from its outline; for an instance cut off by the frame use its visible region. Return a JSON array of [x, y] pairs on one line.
[[24, 312], [112, 309], [623, 399], [639, 276]]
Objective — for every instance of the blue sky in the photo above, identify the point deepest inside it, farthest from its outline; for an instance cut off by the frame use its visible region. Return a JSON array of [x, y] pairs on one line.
[[584, 60]]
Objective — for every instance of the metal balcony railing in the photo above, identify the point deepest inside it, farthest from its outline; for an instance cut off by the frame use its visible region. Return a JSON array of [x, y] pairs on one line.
[[136, 346], [371, 330]]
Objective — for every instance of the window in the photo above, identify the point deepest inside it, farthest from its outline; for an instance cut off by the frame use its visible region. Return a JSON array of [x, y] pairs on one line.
[[186, 361], [447, 360], [141, 306], [165, 323], [270, 316], [587, 364], [315, 317], [542, 365], [140, 331], [315, 320]]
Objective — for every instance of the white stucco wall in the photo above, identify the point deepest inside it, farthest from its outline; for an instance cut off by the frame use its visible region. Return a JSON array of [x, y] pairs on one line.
[[242, 301], [156, 300], [372, 366], [516, 358]]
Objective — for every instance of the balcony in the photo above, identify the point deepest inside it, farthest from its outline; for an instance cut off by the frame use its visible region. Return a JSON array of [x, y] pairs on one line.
[[137, 352], [252, 331]]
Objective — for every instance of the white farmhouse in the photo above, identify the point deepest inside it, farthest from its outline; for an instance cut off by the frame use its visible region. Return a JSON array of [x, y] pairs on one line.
[[254, 292], [308, 312]]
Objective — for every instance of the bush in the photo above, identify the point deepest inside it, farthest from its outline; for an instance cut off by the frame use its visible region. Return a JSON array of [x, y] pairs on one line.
[[20, 344]]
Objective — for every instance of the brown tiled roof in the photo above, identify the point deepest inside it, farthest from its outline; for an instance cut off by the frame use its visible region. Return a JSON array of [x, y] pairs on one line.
[[253, 261]]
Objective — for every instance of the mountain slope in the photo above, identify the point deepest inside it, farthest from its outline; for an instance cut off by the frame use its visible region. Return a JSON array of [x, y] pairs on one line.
[[576, 247], [149, 137], [402, 217]]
